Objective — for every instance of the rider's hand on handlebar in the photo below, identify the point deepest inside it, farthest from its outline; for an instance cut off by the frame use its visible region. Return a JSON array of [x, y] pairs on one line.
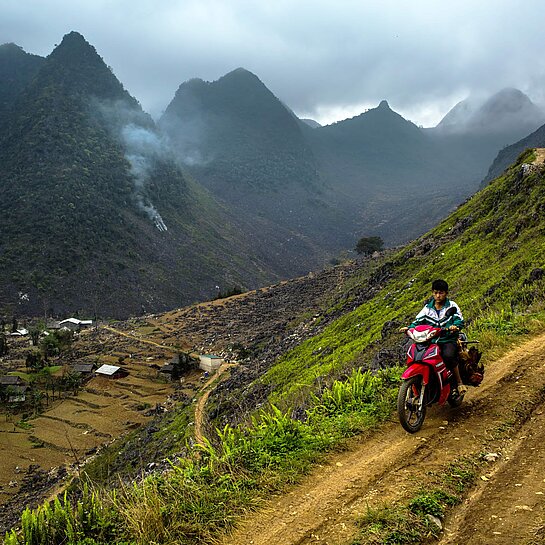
[[454, 328], [403, 329]]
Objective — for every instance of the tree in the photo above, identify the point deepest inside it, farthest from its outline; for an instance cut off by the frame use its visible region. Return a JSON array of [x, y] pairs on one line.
[[368, 245], [3, 344], [34, 336]]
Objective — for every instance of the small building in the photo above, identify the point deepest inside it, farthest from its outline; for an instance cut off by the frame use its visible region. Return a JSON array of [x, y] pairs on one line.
[[17, 394], [52, 325], [167, 369], [83, 368], [10, 380], [12, 389], [110, 371], [74, 324], [209, 362], [21, 332]]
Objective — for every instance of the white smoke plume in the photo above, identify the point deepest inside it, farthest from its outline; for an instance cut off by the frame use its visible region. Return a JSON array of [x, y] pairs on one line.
[[142, 147]]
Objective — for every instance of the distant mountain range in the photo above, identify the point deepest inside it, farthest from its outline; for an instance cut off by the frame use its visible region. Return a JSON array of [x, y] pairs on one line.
[[103, 211]]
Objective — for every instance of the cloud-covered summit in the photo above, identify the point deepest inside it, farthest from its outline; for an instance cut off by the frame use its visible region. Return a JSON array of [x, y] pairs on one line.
[[327, 60]]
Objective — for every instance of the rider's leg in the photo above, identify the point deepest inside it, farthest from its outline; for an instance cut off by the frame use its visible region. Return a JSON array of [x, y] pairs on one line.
[[449, 353]]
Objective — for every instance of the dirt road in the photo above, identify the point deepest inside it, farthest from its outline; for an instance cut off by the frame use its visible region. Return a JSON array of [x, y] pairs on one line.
[[507, 506], [199, 408]]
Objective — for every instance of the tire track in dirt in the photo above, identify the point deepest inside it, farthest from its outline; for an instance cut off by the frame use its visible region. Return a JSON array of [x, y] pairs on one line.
[[389, 464]]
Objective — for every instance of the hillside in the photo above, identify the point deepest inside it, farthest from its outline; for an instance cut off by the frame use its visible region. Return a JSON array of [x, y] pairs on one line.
[[17, 69], [248, 149], [97, 217], [293, 340], [508, 154]]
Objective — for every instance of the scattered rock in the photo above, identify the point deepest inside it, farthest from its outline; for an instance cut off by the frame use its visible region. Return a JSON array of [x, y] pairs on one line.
[[491, 456], [435, 521]]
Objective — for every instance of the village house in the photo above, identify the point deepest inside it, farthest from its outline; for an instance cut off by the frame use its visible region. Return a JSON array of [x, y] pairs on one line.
[[17, 394], [110, 371], [10, 380], [209, 362], [21, 332], [84, 369], [74, 324], [178, 365], [52, 325], [12, 388]]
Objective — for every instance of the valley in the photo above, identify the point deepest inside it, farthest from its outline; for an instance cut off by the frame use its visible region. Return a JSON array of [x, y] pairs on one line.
[[194, 234]]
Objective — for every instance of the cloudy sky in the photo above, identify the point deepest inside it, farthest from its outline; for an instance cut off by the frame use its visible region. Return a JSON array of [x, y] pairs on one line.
[[326, 59]]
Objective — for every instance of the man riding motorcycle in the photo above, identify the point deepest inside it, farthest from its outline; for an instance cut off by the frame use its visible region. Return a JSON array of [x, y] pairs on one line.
[[436, 314]]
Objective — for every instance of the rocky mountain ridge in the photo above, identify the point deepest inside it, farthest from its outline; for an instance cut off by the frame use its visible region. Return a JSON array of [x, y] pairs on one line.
[[232, 189]]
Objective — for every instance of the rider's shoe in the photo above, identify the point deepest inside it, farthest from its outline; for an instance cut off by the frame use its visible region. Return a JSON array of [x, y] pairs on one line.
[[462, 389]]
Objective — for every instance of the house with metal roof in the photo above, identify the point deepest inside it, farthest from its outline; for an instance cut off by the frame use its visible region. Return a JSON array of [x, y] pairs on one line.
[[110, 371], [75, 324], [209, 362]]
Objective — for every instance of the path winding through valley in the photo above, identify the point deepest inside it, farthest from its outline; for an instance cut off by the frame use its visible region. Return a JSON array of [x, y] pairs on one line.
[[507, 506]]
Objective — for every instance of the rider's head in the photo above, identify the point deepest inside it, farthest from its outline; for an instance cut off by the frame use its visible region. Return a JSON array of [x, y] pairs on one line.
[[439, 285]]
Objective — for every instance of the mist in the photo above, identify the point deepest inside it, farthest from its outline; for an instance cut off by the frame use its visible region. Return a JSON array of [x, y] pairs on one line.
[[142, 148], [327, 60]]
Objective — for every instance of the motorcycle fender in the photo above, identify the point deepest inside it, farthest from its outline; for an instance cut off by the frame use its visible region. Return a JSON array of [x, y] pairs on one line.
[[417, 369]]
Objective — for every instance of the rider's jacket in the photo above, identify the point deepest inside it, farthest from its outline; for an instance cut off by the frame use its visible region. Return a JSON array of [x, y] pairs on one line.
[[429, 315]]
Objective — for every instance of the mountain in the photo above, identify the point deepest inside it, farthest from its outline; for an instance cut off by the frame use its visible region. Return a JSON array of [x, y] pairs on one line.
[[458, 116], [96, 215], [17, 69], [509, 154], [247, 148], [508, 111], [394, 178], [311, 123], [375, 174], [239, 134], [474, 131]]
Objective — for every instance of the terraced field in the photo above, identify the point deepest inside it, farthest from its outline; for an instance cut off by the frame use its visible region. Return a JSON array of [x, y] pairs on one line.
[[73, 427]]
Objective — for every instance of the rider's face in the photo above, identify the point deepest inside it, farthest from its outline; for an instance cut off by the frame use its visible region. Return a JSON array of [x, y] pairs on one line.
[[439, 296]]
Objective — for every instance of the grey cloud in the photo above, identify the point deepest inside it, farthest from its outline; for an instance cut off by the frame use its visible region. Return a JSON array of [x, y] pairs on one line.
[[422, 56]]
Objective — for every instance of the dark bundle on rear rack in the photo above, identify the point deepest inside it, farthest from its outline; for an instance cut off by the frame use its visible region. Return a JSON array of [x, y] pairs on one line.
[[471, 370]]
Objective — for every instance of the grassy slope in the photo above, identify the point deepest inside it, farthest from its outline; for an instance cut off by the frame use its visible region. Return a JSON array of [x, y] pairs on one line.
[[486, 250]]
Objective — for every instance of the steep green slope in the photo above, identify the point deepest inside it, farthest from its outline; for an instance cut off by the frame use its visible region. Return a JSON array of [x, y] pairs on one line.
[[509, 153], [491, 251]]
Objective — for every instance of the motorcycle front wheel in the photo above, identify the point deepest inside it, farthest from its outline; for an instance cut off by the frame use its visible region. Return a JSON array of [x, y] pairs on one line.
[[411, 414]]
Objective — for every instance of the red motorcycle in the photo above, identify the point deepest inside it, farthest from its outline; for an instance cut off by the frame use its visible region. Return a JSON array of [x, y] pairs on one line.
[[426, 379]]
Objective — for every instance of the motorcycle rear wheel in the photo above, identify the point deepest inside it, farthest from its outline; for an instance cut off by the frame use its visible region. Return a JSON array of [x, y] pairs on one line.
[[411, 415]]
